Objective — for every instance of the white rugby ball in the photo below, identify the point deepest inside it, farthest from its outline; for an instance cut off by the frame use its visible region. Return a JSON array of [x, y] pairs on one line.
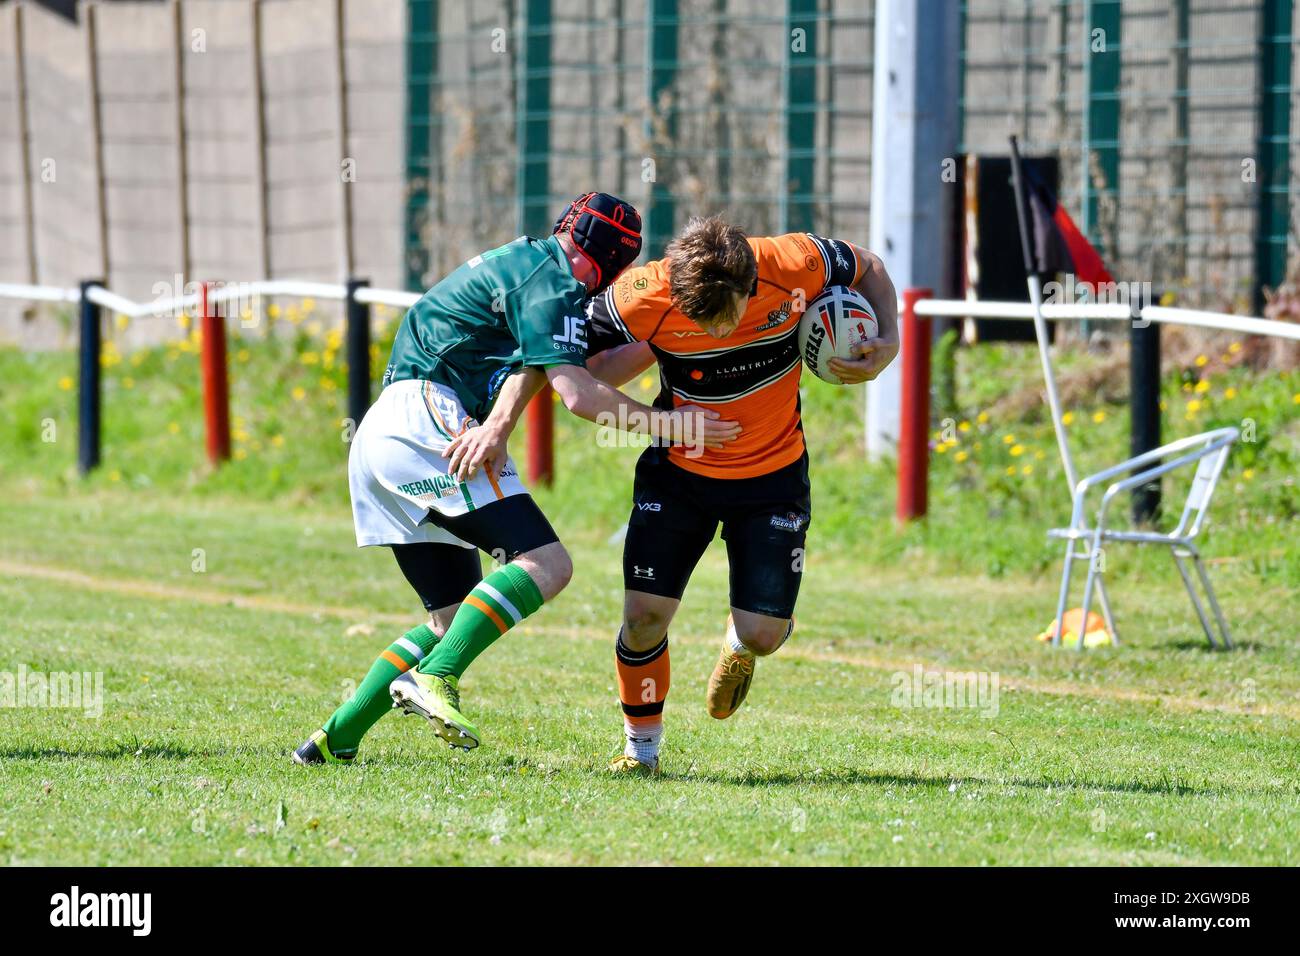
[[833, 323]]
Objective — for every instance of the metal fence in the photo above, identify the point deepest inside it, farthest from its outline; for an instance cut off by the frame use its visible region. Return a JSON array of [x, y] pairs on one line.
[[316, 139], [1175, 121], [755, 109]]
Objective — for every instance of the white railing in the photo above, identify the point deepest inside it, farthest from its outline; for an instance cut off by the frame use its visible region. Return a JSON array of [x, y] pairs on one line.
[[398, 298], [1112, 312]]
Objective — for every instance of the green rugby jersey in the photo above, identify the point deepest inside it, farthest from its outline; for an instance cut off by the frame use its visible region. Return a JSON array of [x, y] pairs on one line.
[[513, 306]]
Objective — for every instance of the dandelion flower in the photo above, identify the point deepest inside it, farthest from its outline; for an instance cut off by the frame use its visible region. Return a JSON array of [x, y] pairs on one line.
[[1017, 451], [1202, 361], [65, 383], [1067, 418], [982, 418], [961, 456], [1008, 439], [299, 393], [1098, 416]]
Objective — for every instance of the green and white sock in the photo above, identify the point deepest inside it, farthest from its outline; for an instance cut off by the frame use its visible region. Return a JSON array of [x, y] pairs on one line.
[[498, 602], [370, 701]]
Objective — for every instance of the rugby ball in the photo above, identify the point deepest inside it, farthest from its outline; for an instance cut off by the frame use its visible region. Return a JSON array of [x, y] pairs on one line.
[[833, 323]]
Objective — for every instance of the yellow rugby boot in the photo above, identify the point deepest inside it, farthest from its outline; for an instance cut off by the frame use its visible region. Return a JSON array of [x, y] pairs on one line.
[[625, 766], [729, 683]]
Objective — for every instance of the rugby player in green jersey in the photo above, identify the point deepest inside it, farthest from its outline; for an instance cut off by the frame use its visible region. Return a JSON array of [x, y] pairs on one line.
[[437, 487]]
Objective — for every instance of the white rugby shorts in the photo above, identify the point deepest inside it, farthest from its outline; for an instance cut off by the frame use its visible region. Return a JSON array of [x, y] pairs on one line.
[[397, 474]]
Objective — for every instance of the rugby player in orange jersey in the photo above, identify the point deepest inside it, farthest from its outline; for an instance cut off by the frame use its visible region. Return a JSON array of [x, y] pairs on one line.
[[721, 313]]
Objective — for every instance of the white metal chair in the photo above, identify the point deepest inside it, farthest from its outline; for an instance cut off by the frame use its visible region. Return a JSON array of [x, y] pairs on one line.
[[1209, 450]]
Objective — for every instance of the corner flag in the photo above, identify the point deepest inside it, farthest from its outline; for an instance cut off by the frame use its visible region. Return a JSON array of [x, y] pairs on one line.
[[1059, 246]]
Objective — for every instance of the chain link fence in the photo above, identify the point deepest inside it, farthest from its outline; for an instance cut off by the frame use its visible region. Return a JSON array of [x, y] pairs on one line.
[[1174, 157]]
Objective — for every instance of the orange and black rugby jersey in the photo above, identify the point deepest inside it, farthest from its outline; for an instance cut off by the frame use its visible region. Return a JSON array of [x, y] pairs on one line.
[[752, 376]]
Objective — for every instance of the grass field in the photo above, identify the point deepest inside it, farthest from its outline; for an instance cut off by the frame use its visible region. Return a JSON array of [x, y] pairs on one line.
[[228, 613]]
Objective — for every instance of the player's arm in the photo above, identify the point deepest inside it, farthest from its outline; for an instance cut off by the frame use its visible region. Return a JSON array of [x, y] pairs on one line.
[[621, 363], [485, 445], [589, 398], [875, 354]]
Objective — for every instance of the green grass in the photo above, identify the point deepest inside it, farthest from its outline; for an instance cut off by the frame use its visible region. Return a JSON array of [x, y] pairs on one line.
[[1156, 752]]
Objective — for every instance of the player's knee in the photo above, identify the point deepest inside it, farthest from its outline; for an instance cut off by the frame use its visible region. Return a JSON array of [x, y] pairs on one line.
[[764, 636], [550, 567], [644, 625]]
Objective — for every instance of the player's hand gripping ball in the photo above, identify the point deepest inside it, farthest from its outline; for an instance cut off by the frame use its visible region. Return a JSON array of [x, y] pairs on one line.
[[834, 322]]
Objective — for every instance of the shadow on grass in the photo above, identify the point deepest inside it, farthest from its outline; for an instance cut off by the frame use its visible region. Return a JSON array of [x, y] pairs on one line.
[[133, 750], [1192, 644], [850, 777]]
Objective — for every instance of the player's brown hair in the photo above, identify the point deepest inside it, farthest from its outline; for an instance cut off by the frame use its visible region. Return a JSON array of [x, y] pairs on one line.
[[709, 264]]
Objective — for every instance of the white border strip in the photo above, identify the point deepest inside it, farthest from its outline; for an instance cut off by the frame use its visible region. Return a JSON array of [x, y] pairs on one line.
[[1246, 325]]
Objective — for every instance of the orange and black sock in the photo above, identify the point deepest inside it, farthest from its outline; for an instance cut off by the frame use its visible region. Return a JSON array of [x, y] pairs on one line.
[[643, 679]]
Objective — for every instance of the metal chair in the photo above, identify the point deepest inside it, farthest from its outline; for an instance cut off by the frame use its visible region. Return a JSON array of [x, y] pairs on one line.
[[1210, 451]]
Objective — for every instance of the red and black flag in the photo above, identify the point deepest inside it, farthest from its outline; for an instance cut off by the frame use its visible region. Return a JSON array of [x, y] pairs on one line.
[[1059, 246]]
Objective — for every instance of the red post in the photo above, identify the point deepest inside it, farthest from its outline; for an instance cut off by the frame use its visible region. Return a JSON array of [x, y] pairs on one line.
[[541, 437], [216, 385], [914, 424]]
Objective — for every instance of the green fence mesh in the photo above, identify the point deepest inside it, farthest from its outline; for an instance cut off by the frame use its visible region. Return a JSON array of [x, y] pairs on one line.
[[1174, 121]]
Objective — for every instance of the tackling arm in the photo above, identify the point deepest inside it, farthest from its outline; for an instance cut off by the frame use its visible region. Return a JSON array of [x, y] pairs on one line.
[[592, 399], [486, 444], [622, 363]]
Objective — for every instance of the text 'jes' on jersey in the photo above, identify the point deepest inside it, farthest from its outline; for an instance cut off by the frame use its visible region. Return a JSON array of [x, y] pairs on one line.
[[752, 376]]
